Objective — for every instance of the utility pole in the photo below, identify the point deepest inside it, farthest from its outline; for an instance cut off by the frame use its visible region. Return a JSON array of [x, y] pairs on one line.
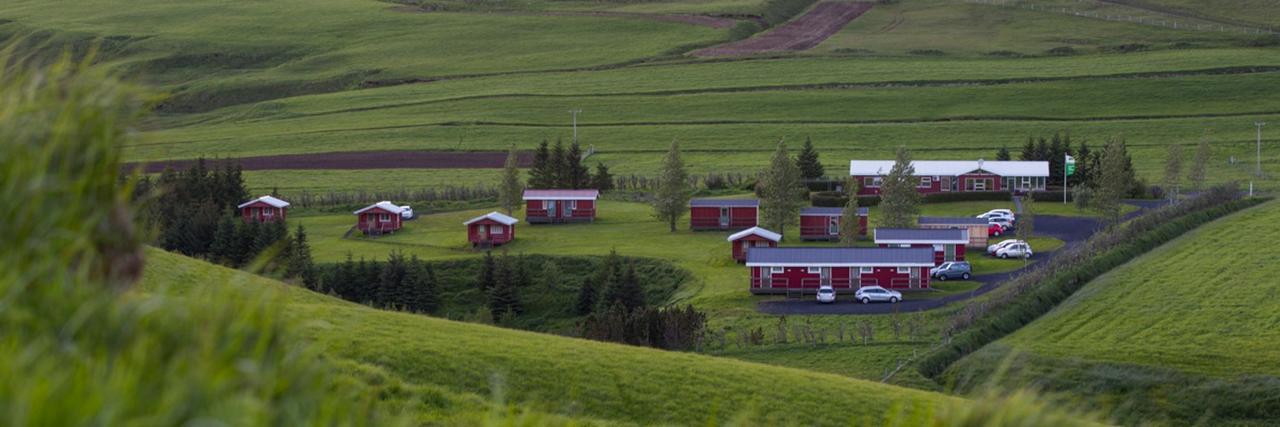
[[575, 123], [1258, 169]]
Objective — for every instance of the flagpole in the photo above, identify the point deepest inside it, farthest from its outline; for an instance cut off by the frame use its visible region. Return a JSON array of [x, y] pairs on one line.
[[1064, 178]]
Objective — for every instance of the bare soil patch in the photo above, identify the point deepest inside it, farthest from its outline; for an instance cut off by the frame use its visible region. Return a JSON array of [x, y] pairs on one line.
[[799, 34], [353, 160]]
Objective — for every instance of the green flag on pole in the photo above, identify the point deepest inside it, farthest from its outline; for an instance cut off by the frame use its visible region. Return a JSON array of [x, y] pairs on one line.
[[1071, 165]]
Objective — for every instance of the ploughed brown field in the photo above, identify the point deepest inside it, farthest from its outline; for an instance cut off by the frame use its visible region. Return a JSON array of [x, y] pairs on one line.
[[354, 160], [801, 33]]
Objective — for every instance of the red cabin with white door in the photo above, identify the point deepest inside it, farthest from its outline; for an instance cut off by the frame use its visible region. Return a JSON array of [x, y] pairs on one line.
[[947, 243], [560, 206], [491, 229], [755, 237], [825, 223], [723, 214], [942, 176], [804, 270], [379, 218], [264, 209]]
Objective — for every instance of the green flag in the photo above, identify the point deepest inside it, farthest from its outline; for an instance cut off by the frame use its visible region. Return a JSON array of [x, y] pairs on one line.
[[1071, 165]]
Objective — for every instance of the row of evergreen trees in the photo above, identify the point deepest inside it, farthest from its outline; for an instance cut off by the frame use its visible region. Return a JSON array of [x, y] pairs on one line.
[[1055, 148], [615, 283], [670, 328], [560, 168], [399, 283]]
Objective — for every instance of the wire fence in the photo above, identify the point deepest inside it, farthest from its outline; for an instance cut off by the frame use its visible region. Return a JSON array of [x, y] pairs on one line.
[[1160, 19]]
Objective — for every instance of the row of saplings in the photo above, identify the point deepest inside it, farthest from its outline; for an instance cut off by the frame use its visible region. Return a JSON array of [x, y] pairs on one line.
[[611, 298]]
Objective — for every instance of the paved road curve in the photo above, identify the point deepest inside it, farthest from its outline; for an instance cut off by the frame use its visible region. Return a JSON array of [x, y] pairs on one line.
[[1071, 230]]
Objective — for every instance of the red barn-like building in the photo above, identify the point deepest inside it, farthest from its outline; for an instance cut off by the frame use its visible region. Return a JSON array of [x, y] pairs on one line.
[[754, 237], [379, 218], [825, 223], [264, 209], [723, 214], [560, 206], [956, 176], [491, 229], [947, 243], [804, 270]]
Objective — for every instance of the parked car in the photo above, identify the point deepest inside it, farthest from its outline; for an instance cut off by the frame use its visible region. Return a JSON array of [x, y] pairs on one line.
[[406, 212], [952, 270], [867, 294], [1016, 250], [991, 250], [826, 295], [1005, 225], [995, 229], [998, 213]]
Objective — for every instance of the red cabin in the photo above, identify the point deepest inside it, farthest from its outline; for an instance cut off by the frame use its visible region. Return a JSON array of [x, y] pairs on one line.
[[560, 206], [379, 218], [825, 223], [264, 209], [804, 270], [947, 243], [723, 214], [491, 229], [754, 237], [956, 176], [978, 228]]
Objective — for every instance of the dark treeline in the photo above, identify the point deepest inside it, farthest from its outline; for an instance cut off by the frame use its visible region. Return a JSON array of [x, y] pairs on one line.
[[670, 328], [560, 168], [443, 194], [398, 283], [1054, 150], [195, 213]]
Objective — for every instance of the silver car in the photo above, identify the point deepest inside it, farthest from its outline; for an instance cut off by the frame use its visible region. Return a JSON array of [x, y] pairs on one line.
[[826, 295], [868, 294]]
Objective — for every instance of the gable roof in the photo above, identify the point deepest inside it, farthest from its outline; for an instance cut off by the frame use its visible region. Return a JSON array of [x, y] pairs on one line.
[[840, 257], [921, 235], [561, 194], [751, 203], [274, 202], [953, 167], [384, 205], [950, 220], [496, 216], [829, 211], [756, 231]]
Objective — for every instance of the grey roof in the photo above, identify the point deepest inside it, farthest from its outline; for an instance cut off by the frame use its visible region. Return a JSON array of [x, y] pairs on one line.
[[840, 256], [829, 211], [951, 220], [724, 202], [922, 235]]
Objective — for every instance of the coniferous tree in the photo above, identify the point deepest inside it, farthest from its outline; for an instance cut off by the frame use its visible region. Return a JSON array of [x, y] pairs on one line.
[[504, 298], [246, 235], [899, 199], [1084, 165], [300, 262], [672, 198], [509, 192], [849, 215], [421, 281], [810, 167], [1003, 154], [540, 174], [781, 191], [1042, 149], [559, 167], [602, 180], [224, 239], [625, 290], [587, 297], [550, 278], [578, 175], [391, 291], [1028, 150], [1114, 185], [1195, 174], [488, 271]]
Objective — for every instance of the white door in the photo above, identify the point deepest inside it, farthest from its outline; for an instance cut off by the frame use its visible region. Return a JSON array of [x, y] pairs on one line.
[[724, 217], [833, 225], [551, 208]]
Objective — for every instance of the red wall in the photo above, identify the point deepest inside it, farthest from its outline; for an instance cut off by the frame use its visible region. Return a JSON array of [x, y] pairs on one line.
[[996, 182], [814, 226], [368, 221], [936, 185], [800, 278], [740, 255], [247, 213], [473, 232], [585, 210], [708, 217]]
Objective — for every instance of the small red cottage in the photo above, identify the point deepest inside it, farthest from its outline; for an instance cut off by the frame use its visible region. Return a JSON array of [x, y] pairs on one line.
[[491, 229], [723, 214], [804, 270], [824, 223], [947, 243], [940, 176], [560, 206], [754, 237], [264, 209], [379, 218]]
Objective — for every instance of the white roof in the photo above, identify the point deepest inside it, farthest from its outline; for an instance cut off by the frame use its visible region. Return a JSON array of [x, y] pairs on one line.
[[561, 194], [953, 167], [274, 202], [384, 205], [756, 231], [503, 219]]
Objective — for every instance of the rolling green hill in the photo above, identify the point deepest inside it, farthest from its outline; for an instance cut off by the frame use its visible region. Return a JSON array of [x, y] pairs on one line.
[[1197, 317]]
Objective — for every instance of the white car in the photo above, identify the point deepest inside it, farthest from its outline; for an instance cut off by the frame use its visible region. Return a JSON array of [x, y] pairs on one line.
[[991, 250], [867, 294], [406, 212], [826, 295], [997, 213], [1016, 250]]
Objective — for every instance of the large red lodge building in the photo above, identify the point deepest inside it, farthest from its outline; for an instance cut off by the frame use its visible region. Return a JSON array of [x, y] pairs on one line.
[[940, 176], [560, 206], [804, 270]]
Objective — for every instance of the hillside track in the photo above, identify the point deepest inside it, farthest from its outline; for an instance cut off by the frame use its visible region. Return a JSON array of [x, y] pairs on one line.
[[352, 160], [799, 34]]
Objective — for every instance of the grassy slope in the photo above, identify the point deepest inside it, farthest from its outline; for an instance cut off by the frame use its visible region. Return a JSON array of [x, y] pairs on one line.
[[1203, 304], [560, 375]]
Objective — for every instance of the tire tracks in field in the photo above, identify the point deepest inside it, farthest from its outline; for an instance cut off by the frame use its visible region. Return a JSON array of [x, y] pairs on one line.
[[889, 84]]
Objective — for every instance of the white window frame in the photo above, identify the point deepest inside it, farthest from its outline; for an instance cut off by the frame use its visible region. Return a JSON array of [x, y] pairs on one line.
[[776, 270], [815, 270], [382, 217], [925, 182], [497, 230], [866, 270], [268, 212], [904, 270], [876, 181], [571, 205]]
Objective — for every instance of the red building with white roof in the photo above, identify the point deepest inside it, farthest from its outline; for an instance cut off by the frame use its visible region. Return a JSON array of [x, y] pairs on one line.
[[491, 229], [723, 214], [379, 218], [804, 270], [947, 243], [560, 206], [264, 209], [941, 176], [825, 223], [754, 237]]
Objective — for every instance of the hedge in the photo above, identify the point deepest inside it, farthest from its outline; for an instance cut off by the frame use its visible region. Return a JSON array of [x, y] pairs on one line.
[[837, 199], [1035, 292]]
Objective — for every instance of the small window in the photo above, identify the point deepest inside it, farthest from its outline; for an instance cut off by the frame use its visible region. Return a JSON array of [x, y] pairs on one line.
[[384, 217], [268, 212], [926, 181], [571, 205], [866, 270], [775, 270], [904, 270], [815, 270], [904, 245], [497, 230], [871, 181]]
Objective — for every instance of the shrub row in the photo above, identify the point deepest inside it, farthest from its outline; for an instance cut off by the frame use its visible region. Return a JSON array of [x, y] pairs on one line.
[[1045, 285], [835, 199]]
